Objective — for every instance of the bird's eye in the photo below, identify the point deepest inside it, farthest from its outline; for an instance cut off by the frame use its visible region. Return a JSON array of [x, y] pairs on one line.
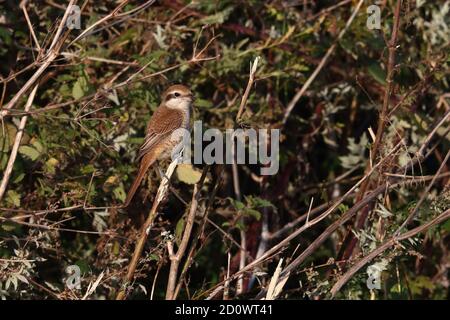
[[176, 94]]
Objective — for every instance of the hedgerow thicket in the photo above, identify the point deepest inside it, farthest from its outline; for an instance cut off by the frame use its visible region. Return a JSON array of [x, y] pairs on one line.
[[358, 209]]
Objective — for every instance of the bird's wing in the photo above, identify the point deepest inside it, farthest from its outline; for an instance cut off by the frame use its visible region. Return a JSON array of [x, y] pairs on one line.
[[163, 122]]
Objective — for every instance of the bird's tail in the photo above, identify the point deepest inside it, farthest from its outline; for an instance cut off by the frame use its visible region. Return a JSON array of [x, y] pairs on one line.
[[146, 162]]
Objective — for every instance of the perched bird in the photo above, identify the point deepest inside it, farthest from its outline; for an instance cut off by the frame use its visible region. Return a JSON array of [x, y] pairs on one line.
[[173, 113]]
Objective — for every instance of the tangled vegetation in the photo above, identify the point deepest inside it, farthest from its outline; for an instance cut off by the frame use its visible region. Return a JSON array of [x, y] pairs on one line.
[[358, 209]]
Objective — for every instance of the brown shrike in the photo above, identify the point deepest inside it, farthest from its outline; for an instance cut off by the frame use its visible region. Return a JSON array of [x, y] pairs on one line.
[[173, 113]]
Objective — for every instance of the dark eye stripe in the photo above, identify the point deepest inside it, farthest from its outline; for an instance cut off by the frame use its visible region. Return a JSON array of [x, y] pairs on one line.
[[173, 95]]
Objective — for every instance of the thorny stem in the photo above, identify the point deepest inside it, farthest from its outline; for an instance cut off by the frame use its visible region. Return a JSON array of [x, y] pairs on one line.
[[351, 240], [386, 245]]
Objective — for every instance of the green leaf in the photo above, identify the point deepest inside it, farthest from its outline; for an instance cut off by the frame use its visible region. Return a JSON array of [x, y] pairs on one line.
[[111, 182], [179, 229], [51, 165], [237, 204], [88, 169], [80, 88], [254, 213], [84, 266], [5, 35], [77, 91], [116, 248], [356, 157], [119, 193], [19, 177], [257, 202], [377, 73], [446, 226], [22, 278], [202, 103], [29, 152], [37, 145], [240, 225], [7, 141], [13, 197], [420, 283], [188, 174], [219, 17], [8, 227], [153, 257], [342, 208]]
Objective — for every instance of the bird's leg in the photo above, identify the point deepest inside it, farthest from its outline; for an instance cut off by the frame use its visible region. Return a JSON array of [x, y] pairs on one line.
[[161, 173]]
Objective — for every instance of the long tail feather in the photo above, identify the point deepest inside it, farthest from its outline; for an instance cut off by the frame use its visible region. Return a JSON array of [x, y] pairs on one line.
[[146, 162]]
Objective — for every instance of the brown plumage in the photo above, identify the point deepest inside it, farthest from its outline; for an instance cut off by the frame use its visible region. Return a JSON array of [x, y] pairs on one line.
[[173, 113]]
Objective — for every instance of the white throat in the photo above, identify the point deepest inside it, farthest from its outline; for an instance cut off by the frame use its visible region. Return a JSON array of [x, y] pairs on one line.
[[183, 105], [180, 104]]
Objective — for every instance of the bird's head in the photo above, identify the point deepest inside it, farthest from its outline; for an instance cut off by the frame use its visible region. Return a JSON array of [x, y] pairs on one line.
[[178, 97]]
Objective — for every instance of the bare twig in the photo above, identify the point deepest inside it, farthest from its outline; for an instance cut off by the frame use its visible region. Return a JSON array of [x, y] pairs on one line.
[[51, 55], [351, 240], [297, 221], [322, 63], [112, 14], [235, 172], [251, 79], [146, 227], [30, 26], [61, 26], [8, 111], [200, 232], [276, 249], [276, 283], [15, 148], [392, 47], [433, 132], [51, 228], [422, 198], [175, 258], [386, 245]]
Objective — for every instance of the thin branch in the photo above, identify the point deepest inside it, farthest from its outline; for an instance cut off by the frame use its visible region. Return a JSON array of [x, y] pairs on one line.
[[425, 194], [61, 26], [175, 258], [15, 148], [351, 240], [30, 26], [146, 227], [251, 79], [275, 249], [51, 228], [8, 111], [51, 55], [200, 232], [112, 14], [389, 243], [235, 173], [389, 81], [322, 63]]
